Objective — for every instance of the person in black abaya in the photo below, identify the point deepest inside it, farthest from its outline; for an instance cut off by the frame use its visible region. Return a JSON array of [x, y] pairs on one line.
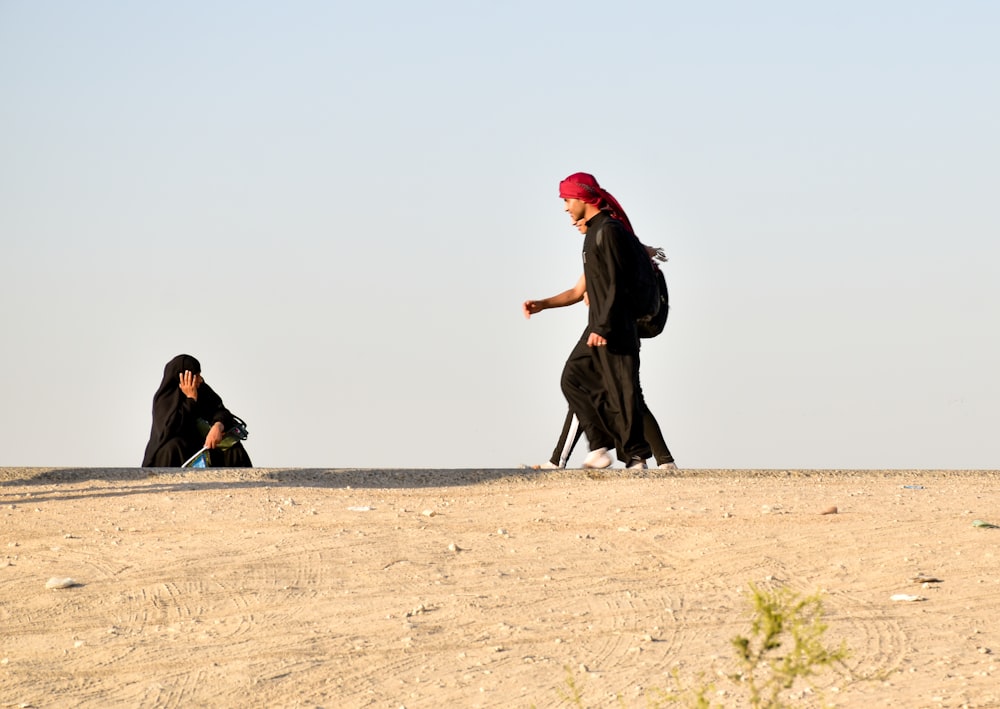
[[182, 399]]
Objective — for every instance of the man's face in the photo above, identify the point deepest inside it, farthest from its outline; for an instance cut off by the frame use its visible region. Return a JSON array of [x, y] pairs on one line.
[[575, 208]]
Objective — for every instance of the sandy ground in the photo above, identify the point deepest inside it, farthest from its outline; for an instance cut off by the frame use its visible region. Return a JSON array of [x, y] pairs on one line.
[[483, 588]]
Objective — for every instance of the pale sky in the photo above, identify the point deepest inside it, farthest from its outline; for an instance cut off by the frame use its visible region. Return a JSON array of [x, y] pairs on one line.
[[338, 207]]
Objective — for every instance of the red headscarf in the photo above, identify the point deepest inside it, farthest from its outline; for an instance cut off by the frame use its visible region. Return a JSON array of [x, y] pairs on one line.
[[584, 187]]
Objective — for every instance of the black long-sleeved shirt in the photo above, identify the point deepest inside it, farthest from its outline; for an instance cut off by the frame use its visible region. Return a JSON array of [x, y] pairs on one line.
[[607, 264]]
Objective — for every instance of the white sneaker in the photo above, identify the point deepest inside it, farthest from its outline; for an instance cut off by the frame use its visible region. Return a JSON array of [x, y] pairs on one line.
[[667, 466], [547, 465], [637, 465], [597, 458]]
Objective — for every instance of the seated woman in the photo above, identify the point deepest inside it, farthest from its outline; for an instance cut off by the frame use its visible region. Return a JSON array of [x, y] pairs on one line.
[[181, 401]]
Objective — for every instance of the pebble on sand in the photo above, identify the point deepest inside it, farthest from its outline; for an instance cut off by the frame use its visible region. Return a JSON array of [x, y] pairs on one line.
[[56, 582]]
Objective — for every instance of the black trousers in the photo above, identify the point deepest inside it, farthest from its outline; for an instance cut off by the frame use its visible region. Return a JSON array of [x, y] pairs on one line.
[[650, 429], [654, 436], [601, 386], [557, 453]]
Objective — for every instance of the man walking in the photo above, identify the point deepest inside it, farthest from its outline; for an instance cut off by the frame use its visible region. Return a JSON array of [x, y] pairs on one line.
[[571, 430], [601, 378]]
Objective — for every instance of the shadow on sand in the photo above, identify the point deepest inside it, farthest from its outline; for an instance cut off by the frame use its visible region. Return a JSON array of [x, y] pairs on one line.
[[18, 485], [67, 483]]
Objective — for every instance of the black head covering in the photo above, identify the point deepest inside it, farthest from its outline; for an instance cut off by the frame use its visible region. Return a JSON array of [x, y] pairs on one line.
[[168, 406], [174, 369]]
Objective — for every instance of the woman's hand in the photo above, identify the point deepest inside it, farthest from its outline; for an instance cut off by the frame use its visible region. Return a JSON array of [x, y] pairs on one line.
[[189, 384], [214, 435]]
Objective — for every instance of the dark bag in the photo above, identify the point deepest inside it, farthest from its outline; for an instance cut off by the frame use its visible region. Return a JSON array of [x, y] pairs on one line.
[[644, 291], [652, 325], [648, 293], [231, 436], [647, 290]]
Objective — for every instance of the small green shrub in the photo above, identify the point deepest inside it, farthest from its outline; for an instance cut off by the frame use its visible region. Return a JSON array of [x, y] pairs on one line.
[[784, 645]]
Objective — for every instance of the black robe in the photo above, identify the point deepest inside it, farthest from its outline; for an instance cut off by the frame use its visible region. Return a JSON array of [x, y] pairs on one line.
[[174, 436]]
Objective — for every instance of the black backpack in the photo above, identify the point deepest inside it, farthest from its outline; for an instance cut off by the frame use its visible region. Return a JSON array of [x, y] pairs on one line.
[[647, 291], [652, 325], [644, 289]]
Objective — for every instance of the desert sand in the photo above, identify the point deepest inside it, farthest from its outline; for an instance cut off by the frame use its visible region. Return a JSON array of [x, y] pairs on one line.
[[484, 588]]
